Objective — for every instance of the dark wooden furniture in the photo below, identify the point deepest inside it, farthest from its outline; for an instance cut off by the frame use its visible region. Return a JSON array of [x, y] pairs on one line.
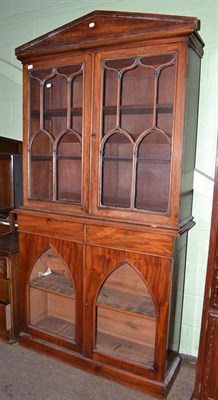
[[11, 184], [11, 192], [111, 103], [8, 145], [10, 303], [206, 383]]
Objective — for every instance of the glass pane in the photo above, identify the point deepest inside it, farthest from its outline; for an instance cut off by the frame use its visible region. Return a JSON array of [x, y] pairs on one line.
[[165, 99], [109, 101], [137, 87], [137, 100], [41, 180], [69, 70], [77, 103], [117, 171], [52, 296], [55, 104], [156, 61], [41, 74], [153, 173], [126, 317], [35, 78], [34, 106], [69, 168], [41, 169], [121, 64]]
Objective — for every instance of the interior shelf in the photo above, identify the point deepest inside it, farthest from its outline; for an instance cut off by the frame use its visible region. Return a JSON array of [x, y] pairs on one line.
[[126, 301], [41, 157], [154, 160], [68, 158], [57, 326], [127, 349], [137, 109], [119, 159], [57, 112], [142, 160], [56, 283]]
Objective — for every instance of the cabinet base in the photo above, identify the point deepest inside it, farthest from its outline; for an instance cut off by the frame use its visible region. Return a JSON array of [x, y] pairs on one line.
[[158, 389]]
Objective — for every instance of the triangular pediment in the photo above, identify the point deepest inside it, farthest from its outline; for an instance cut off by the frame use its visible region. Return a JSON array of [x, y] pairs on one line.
[[100, 28]]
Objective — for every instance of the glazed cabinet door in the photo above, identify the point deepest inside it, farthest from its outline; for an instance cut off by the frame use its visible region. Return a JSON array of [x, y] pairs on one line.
[[125, 308], [52, 289], [136, 139], [56, 139]]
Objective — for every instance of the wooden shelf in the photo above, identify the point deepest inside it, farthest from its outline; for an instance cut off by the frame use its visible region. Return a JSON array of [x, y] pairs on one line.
[[41, 157], [154, 160], [118, 159], [57, 112], [118, 347], [69, 157], [141, 160], [138, 109], [54, 283], [56, 326], [127, 302], [49, 158]]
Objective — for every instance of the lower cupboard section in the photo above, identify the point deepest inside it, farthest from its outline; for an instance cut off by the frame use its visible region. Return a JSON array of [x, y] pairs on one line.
[[109, 314]]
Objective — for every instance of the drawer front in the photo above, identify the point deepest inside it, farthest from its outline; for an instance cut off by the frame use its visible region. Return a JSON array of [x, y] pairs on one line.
[[4, 267], [55, 228], [4, 290], [126, 239], [5, 317]]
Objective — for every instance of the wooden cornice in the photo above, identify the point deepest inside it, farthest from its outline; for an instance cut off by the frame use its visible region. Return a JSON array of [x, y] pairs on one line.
[[99, 28]]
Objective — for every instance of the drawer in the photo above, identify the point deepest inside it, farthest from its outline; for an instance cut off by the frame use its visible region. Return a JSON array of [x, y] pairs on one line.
[[5, 317], [4, 267], [52, 227], [4, 290], [126, 239]]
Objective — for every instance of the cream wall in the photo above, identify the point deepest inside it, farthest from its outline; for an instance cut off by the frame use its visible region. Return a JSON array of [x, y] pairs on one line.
[[24, 20]]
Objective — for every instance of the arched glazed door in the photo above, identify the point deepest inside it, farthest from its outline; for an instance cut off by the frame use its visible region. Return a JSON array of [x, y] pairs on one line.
[[135, 135], [126, 316], [127, 309], [52, 296], [52, 288]]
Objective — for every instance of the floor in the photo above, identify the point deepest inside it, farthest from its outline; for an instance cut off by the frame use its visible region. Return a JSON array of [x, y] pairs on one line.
[[25, 374]]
